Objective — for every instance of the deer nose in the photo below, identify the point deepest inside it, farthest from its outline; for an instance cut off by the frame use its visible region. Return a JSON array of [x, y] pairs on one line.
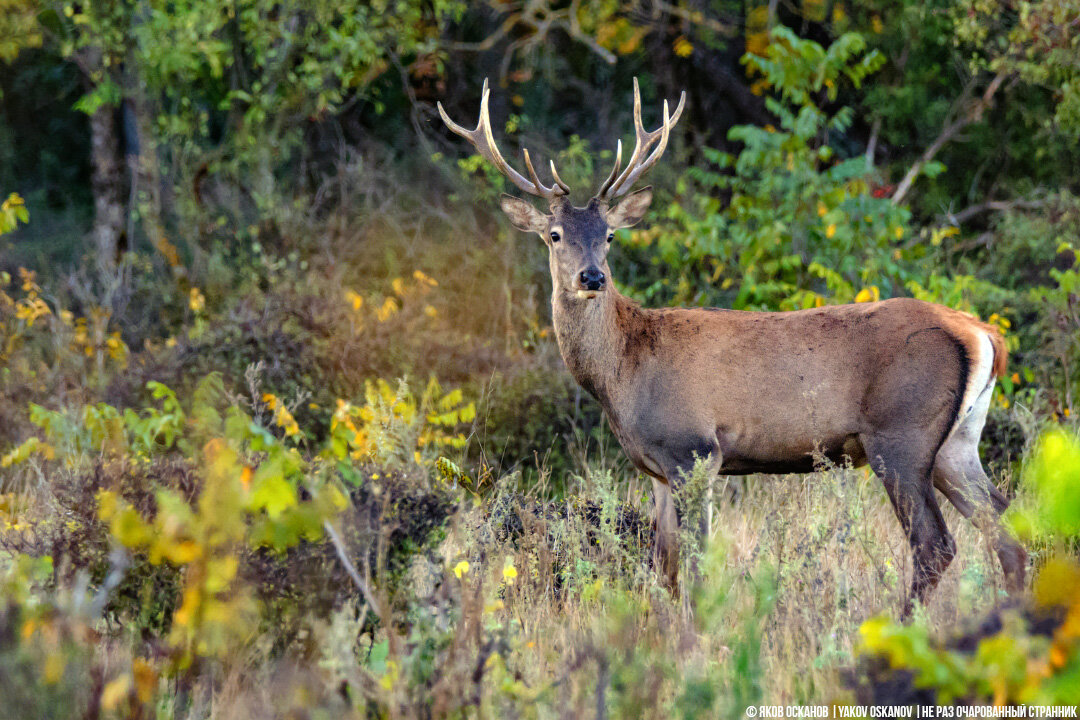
[[593, 278]]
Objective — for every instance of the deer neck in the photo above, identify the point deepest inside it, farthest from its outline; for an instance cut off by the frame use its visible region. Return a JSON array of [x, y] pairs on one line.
[[591, 338]]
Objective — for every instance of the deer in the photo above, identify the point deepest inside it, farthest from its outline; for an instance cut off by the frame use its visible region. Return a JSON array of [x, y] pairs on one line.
[[901, 385]]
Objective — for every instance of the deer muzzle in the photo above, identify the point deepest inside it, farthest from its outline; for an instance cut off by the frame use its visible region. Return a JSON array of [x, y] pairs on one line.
[[591, 281]]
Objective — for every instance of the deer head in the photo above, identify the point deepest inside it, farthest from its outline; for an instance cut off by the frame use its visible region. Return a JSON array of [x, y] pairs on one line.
[[578, 238]]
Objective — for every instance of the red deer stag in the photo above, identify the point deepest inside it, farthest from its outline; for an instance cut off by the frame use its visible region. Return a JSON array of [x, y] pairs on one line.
[[901, 384]]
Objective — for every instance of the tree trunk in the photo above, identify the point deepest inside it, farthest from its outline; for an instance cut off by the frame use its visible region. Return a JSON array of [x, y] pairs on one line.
[[106, 183]]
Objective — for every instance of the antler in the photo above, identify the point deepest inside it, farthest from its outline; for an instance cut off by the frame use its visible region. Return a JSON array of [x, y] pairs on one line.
[[483, 141], [617, 184]]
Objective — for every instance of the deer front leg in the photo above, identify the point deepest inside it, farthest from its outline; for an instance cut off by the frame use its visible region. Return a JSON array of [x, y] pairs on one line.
[[668, 520], [666, 542]]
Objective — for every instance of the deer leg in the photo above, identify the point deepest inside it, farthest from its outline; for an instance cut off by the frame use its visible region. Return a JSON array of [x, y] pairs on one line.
[[675, 468], [666, 543], [911, 409], [907, 482], [959, 475]]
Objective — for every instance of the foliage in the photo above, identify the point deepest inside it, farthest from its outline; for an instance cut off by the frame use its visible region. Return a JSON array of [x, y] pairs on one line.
[[1037, 44], [562, 423], [18, 30], [801, 226], [13, 212], [396, 428]]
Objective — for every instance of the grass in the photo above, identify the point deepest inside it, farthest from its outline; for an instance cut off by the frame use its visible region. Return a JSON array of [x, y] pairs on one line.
[[794, 565], [543, 608]]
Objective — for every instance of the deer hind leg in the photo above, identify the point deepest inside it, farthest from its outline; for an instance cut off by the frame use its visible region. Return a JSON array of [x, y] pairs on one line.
[[959, 475], [907, 481]]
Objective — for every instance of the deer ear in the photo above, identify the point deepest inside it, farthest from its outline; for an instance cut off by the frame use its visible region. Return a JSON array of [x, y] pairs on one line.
[[523, 215], [630, 209]]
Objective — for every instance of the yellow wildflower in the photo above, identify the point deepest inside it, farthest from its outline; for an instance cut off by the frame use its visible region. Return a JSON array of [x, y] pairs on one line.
[[389, 307], [424, 279], [462, 568]]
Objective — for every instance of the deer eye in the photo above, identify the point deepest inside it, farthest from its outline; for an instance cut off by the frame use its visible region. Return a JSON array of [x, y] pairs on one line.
[[610, 236], [555, 236]]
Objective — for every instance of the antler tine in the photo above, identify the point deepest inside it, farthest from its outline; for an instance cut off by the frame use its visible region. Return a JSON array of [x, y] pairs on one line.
[[558, 180], [643, 140], [482, 139], [614, 171], [532, 172], [642, 168]]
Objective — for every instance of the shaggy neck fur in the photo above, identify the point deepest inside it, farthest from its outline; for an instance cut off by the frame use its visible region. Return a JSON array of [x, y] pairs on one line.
[[592, 338]]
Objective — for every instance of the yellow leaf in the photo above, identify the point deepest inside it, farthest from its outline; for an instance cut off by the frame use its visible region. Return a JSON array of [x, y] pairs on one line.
[[54, 668], [196, 300], [220, 572], [180, 553], [756, 43], [462, 568], [145, 679], [115, 692], [186, 613], [831, 230], [272, 492], [683, 47], [128, 527]]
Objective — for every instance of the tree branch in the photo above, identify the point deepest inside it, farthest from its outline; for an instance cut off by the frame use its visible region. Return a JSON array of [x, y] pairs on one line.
[[990, 206], [973, 114], [871, 146], [343, 556]]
